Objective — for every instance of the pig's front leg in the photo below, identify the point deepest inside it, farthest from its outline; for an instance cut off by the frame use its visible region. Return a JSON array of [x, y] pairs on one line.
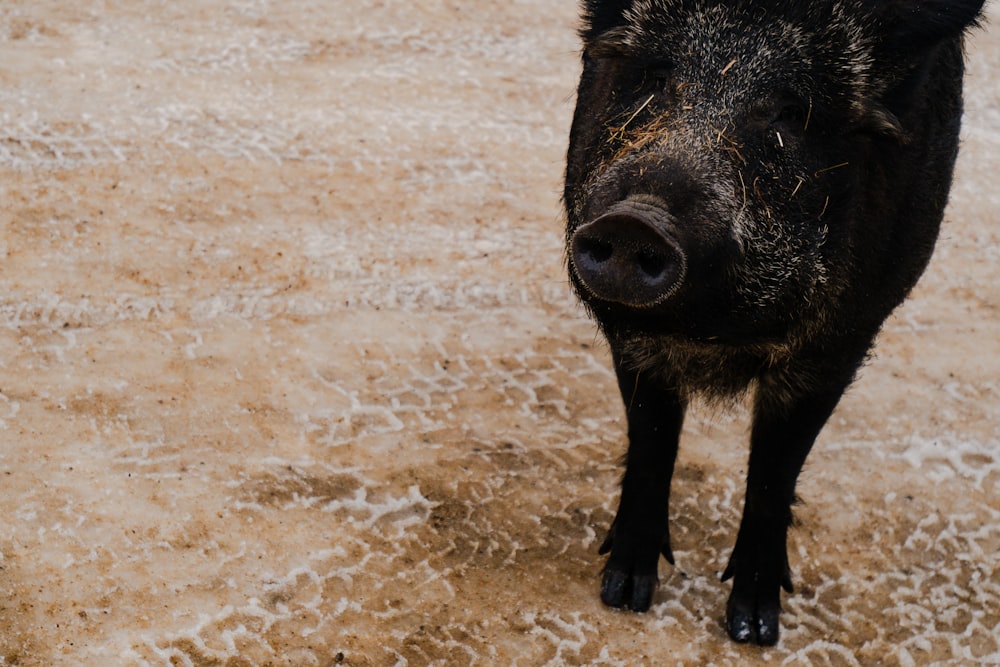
[[640, 532], [787, 419]]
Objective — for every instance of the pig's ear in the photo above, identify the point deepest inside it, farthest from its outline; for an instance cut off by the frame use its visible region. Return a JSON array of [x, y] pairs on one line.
[[919, 24], [600, 16]]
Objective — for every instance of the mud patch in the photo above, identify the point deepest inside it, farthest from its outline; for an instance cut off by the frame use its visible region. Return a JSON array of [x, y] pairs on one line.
[[297, 488]]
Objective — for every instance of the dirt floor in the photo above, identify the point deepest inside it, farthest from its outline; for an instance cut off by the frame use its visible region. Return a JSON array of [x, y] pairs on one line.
[[291, 373]]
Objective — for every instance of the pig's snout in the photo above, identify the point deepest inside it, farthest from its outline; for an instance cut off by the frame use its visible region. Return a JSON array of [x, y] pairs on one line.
[[628, 255]]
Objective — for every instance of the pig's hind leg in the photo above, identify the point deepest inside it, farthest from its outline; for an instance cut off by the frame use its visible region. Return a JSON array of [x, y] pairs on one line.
[[789, 412], [640, 532]]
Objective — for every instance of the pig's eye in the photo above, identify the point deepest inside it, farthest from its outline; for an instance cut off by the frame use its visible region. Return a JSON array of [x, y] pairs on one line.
[[792, 117], [656, 79], [790, 114]]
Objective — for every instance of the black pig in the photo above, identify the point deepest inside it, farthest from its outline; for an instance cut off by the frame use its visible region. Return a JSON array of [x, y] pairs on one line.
[[751, 188]]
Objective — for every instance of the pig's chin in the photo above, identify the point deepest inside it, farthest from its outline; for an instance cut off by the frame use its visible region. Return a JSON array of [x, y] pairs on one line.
[[672, 323]]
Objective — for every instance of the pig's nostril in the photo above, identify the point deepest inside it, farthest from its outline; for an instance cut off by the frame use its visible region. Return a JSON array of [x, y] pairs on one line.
[[651, 263], [596, 251]]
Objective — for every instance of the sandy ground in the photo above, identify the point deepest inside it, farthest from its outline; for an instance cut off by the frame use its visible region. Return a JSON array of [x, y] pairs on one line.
[[291, 373]]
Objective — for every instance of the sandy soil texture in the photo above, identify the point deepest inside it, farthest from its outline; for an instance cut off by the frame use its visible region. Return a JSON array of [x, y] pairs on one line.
[[291, 373]]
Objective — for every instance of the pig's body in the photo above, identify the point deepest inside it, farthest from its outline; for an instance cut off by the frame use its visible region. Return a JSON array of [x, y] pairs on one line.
[[751, 189]]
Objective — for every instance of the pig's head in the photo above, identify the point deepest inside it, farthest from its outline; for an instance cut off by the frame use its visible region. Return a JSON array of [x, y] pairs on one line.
[[723, 155]]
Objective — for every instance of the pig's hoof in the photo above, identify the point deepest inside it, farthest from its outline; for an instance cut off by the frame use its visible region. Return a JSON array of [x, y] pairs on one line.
[[626, 590], [753, 617], [754, 606], [629, 579]]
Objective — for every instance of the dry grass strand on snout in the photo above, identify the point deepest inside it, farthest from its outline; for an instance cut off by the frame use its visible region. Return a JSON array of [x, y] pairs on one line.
[[760, 197], [619, 132], [640, 137]]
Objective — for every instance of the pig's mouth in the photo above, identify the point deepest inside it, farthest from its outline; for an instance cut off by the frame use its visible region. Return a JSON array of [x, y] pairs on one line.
[[629, 255]]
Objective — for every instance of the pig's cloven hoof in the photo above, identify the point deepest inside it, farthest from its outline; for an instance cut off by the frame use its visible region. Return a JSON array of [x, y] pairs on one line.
[[753, 614], [629, 591], [754, 606], [629, 581]]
